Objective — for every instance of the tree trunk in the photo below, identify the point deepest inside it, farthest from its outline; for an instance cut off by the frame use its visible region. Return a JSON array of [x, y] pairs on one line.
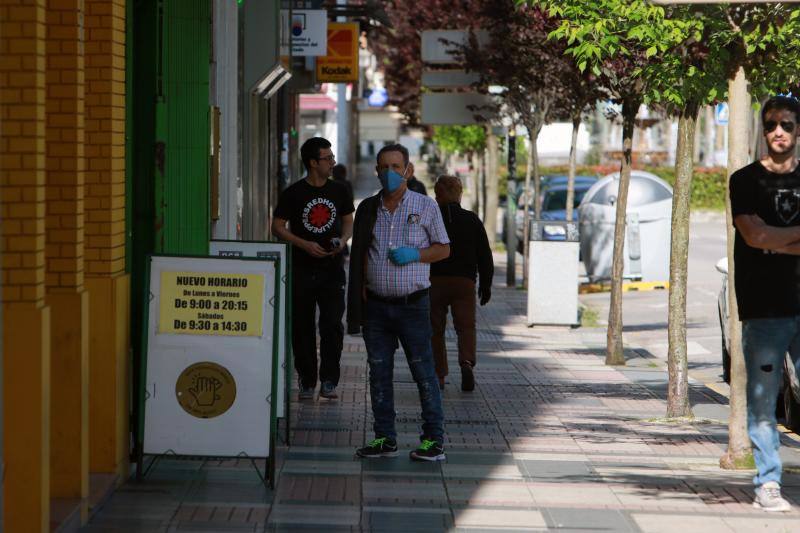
[[739, 454], [615, 354], [532, 172], [476, 181], [511, 210], [678, 404], [492, 177], [573, 161]]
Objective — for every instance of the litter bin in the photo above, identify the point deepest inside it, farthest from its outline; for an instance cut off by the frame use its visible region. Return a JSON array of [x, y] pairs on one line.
[[553, 274], [648, 227]]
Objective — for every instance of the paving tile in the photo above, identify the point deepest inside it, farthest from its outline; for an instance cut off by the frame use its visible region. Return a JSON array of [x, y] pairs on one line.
[[398, 491], [489, 493], [509, 471], [588, 520], [773, 524], [402, 520], [319, 515], [344, 468], [476, 517], [662, 523], [583, 495], [568, 471]]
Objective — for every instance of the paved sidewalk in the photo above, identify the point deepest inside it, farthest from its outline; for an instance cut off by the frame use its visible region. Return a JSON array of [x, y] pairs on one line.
[[550, 439]]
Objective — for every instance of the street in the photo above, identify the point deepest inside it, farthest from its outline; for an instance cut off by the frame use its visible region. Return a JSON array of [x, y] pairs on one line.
[[645, 313]]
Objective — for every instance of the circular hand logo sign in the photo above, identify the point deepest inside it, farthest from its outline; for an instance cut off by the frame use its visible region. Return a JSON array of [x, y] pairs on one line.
[[205, 390]]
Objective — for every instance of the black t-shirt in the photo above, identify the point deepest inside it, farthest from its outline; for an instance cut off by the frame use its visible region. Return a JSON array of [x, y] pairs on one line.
[[767, 283], [315, 214]]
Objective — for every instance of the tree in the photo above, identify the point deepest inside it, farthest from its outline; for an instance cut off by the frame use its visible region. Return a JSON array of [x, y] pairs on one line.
[[602, 37], [690, 75], [468, 141], [526, 65]]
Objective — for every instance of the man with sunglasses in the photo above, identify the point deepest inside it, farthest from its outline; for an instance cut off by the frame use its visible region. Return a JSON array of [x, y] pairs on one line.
[[765, 200], [319, 212]]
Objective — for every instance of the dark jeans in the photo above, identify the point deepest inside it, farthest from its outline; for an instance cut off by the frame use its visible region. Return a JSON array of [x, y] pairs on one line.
[[457, 293], [384, 325], [312, 289]]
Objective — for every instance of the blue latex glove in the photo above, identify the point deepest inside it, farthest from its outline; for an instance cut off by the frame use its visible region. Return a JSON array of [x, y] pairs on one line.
[[403, 256]]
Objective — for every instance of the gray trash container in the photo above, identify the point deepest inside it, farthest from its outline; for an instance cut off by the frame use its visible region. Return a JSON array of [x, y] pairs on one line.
[[553, 274], [647, 239]]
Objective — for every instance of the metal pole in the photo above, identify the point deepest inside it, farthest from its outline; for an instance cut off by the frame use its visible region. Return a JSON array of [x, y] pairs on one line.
[[511, 210]]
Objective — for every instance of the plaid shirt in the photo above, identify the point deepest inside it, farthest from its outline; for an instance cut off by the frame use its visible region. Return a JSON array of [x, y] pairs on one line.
[[416, 223]]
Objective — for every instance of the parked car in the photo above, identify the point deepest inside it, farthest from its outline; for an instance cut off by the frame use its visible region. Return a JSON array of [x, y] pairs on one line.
[[788, 405], [553, 194]]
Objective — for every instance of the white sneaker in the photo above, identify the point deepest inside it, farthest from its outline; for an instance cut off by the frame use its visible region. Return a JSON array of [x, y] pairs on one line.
[[768, 498]]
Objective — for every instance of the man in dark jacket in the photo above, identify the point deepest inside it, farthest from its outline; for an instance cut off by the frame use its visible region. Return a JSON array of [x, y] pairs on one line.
[[413, 183], [453, 280]]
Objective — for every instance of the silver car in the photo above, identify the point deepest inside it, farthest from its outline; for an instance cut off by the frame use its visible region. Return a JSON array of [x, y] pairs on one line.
[[789, 407]]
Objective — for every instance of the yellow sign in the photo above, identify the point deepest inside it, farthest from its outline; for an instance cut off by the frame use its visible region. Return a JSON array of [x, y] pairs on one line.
[[341, 63], [205, 390], [211, 303]]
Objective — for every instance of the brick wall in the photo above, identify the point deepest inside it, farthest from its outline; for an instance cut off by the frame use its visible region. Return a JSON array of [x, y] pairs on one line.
[[65, 148], [22, 150], [105, 137]]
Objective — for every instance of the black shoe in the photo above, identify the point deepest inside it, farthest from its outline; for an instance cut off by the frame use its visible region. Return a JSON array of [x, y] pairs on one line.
[[380, 447], [328, 390], [467, 378], [429, 450], [306, 393]]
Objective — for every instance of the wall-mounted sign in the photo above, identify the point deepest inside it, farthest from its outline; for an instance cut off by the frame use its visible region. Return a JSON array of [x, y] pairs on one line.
[[307, 29], [340, 65], [203, 303]]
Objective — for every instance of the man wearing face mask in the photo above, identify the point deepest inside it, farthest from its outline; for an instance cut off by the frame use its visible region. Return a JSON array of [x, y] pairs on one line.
[[397, 234]]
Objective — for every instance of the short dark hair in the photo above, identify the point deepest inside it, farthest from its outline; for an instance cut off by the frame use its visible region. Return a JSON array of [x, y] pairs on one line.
[[781, 103], [311, 148], [339, 172], [394, 148]]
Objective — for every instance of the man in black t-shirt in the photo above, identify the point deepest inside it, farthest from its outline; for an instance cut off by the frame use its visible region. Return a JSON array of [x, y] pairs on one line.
[[765, 200], [319, 212]]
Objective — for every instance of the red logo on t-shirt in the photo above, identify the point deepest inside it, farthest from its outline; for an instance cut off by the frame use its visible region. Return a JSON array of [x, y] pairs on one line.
[[319, 215]]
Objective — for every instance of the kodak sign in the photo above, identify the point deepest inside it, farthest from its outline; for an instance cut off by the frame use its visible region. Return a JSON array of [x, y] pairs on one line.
[[341, 63]]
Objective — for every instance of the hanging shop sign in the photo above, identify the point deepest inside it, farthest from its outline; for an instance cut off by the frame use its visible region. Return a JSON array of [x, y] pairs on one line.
[[340, 65], [306, 30]]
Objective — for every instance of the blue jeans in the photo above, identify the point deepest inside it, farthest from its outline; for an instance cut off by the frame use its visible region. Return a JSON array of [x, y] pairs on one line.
[[765, 342], [384, 325]]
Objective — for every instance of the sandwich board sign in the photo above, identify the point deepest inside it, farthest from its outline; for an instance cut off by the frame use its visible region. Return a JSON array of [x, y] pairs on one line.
[[209, 370], [262, 250]]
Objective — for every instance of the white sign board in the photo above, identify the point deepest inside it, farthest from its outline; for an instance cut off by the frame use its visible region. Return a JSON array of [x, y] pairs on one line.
[[258, 249], [208, 380], [453, 108], [442, 46], [308, 31]]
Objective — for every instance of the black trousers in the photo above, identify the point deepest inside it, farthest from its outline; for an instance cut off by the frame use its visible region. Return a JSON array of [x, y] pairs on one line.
[[312, 289]]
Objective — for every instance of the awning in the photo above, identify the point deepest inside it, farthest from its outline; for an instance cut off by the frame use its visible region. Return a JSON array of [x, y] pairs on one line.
[[317, 102]]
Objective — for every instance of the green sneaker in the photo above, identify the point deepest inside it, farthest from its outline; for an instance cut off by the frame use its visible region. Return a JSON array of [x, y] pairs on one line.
[[380, 447], [429, 450]]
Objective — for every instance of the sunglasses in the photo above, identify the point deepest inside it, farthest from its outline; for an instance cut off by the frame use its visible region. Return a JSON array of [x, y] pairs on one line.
[[786, 125]]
